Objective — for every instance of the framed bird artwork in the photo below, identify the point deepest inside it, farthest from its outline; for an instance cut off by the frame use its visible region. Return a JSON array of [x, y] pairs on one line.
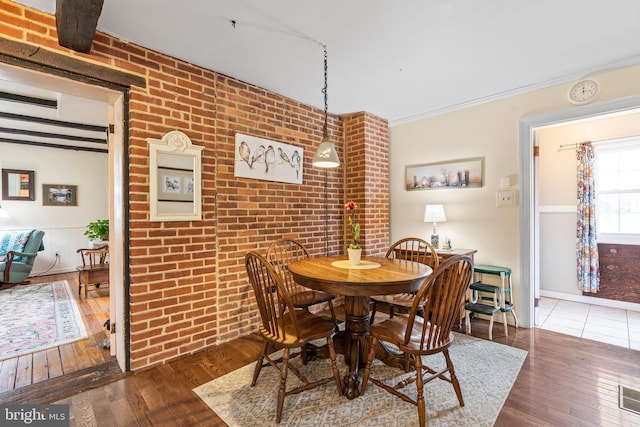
[[260, 158]]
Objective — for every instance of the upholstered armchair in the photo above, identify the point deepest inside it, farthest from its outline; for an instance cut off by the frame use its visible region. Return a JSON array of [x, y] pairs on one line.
[[18, 251]]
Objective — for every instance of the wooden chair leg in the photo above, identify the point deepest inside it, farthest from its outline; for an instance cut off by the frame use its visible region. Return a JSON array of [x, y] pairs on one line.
[[372, 317], [333, 316], [367, 368], [422, 411], [258, 368], [283, 384], [334, 366], [454, 378]]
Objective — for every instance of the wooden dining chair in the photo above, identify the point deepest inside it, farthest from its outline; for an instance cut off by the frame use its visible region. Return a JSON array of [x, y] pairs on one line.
[[439, 298], [283, 252], [291, 328], [413, 249], [94, 269]]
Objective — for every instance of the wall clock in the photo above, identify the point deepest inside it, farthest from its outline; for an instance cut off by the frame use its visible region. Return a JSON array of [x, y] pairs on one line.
[[583, 92]]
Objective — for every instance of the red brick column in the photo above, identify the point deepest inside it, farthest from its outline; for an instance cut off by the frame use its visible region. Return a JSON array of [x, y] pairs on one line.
[[366, 163]]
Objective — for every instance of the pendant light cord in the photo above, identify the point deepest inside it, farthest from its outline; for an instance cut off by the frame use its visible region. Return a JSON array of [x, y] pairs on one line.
[[325, 134], [326, 96]]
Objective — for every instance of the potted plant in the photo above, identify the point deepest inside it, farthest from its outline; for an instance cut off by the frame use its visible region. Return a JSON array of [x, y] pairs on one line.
[[98, 232], [354, 250]]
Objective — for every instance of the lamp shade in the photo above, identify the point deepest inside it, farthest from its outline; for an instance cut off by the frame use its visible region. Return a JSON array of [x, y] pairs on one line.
[[326, 156], [434, 213]]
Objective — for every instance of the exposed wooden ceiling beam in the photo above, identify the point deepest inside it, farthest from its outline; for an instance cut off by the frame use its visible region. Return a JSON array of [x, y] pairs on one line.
[[40, 59], [48, 103], [53, 135], [50, 145], [53, 122], [76, 22]]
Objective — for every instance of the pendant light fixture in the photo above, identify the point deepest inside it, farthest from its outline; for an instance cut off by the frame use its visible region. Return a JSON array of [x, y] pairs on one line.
[[326, 156]]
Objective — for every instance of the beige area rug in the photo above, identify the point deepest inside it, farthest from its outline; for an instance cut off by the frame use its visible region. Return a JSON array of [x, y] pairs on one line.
[[486, 371], [38, 317]]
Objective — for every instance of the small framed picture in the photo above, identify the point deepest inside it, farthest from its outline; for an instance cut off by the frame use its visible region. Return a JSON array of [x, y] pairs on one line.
[[59, 195], [175, 185]]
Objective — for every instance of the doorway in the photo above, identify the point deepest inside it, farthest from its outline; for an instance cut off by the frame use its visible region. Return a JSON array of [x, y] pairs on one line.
[[530, 210], [113, 101]]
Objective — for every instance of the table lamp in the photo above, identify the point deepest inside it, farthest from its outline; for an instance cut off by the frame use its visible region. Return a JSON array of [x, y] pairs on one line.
[[434, 213]]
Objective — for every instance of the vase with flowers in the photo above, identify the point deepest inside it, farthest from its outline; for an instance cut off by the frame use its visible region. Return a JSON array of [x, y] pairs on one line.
[[354, 250]]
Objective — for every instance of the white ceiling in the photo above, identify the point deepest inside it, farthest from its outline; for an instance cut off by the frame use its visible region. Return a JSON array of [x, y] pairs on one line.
[[401, 60]]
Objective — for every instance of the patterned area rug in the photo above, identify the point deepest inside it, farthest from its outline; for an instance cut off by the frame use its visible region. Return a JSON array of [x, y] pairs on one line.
[[37, 317], [486, 371]]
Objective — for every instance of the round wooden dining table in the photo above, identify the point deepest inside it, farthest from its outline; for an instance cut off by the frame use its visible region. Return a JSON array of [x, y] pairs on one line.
[[357, 283]]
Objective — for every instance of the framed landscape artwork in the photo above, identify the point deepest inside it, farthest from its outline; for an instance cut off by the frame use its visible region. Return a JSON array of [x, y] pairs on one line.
[[59, 195], [464, 173]]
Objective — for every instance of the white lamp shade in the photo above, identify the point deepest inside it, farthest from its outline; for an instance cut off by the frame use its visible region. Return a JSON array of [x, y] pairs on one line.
[[326, 156], [434, 213]]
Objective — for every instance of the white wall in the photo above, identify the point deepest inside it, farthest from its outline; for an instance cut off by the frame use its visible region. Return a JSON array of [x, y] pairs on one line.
[[489, 130], [63, 225]]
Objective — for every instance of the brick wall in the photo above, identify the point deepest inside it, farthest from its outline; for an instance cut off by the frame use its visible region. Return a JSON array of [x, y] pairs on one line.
[[367, 178], [187, 282]]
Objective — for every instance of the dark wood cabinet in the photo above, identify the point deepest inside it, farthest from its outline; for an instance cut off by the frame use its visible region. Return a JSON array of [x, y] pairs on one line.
[[619, 272]]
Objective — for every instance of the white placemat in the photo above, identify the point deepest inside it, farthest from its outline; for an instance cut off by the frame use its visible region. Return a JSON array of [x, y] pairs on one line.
[[364, 265]]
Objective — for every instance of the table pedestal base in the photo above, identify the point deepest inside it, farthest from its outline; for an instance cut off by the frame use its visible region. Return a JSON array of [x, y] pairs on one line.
[[353, 343]]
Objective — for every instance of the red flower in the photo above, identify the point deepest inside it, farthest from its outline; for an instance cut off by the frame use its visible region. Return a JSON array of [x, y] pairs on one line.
[[351, 206], [355, 228]]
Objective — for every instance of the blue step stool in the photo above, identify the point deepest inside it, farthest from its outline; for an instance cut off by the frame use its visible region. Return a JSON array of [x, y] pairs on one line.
[[491, 299]]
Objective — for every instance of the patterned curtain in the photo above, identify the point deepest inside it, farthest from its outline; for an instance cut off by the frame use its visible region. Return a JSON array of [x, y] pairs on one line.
[[586, 242]]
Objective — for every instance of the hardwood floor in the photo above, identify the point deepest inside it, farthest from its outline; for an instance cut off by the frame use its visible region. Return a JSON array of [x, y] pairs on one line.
[[565, 381], [35, 368]]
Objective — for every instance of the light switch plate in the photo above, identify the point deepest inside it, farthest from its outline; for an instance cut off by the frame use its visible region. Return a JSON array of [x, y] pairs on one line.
[[506, 198]]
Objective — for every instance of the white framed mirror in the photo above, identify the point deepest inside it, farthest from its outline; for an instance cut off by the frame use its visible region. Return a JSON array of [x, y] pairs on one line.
[[175, 178]]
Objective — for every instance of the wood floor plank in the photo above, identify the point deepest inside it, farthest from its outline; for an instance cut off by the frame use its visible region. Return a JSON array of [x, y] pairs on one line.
[[81, 411], [54, 362], [177, 393], [8, 374], [68, 357], [101, 399], [40, 367], [23, 371], [136, 404]]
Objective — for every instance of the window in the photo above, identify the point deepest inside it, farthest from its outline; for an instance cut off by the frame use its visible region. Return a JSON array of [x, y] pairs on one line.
[[617, 173]]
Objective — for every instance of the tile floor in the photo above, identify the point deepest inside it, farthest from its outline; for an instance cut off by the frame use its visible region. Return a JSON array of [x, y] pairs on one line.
[[605, 324]]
